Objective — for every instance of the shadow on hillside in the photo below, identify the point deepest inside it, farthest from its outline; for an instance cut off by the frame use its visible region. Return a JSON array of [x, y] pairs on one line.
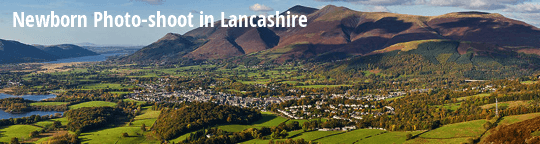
[[388, 24], [265, 118], [497, 32]]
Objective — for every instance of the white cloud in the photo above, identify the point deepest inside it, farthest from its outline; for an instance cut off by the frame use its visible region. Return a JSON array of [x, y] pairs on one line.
[[374, 2], [260, 8], [524, 8], [152, 2], [467, 4], [377, 9]]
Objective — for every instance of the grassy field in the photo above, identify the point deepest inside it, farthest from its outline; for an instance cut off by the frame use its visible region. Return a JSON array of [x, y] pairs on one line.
[[48, 103], [268, 120], [478, 95], [46, 123], [93, 104], [450, 106], [464, 129], [452, 133], [518, 118], [20, 131], [388, 138], [529, 82], [436, 141], [308, 136], [114, 135], [313, 135], [130, 100], [508, 104], [350, 137]]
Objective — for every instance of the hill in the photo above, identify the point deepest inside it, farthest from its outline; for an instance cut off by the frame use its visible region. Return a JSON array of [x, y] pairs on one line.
[[66, 51], [335, 33], [171, 46], [16, 52]]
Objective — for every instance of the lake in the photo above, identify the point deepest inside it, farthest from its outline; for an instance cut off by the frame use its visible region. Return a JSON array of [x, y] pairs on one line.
[[6, 115], [97, 58], [28, 97]]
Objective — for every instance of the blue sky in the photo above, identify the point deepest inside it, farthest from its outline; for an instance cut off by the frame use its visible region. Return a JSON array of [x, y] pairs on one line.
[[525, 10]]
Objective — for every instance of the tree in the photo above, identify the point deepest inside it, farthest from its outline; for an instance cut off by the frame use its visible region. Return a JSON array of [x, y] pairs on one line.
[[143, 127], [14, 140], [34, 134], [409, 136], [487, 125], [57, 124], [283, 134]]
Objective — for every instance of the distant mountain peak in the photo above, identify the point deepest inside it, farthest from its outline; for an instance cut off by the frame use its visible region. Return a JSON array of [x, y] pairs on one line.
[[171, 36], [301, 10]]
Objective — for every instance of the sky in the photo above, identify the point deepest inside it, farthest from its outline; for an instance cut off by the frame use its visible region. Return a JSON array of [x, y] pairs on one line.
[[524, 10]]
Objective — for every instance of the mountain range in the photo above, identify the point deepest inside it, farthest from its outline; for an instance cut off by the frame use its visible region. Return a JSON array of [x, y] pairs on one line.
[[16, 52], [335, 33]]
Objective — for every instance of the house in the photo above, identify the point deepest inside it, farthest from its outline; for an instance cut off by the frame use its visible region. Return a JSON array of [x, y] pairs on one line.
[[325, 129]]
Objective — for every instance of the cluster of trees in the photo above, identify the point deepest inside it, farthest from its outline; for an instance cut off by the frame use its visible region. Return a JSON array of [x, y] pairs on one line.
[[26, 120], [15, 105], [64, 139], [172, 123], [215, 135], [87, 118], [63, 107]]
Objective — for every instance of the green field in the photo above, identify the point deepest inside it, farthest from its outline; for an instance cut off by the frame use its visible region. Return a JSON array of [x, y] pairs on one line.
[[388, 138], [20, 131], [517, 118], [452, 133], [308, 136], [464, 129], [93, 104], [437, 141], [478, 95], [114, 135], [48, 103], [450, 106], [268, 120], [529, 82], [46, 123], [138, 102], [350, 137]]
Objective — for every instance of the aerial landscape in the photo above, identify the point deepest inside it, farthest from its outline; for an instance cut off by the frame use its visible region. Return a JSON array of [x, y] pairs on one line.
[[358, 72]]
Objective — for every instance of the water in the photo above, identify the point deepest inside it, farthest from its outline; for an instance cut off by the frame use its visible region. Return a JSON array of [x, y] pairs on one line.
[[28, 97], [97, 58], [6, 115]]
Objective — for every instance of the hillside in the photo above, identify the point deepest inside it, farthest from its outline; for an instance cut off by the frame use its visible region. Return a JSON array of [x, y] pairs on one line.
[[169, 47], [66, 51], [338, 32], [16, 52]]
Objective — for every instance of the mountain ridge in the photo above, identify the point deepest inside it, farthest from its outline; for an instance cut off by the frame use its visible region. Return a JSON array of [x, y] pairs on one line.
[[341, 32]]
